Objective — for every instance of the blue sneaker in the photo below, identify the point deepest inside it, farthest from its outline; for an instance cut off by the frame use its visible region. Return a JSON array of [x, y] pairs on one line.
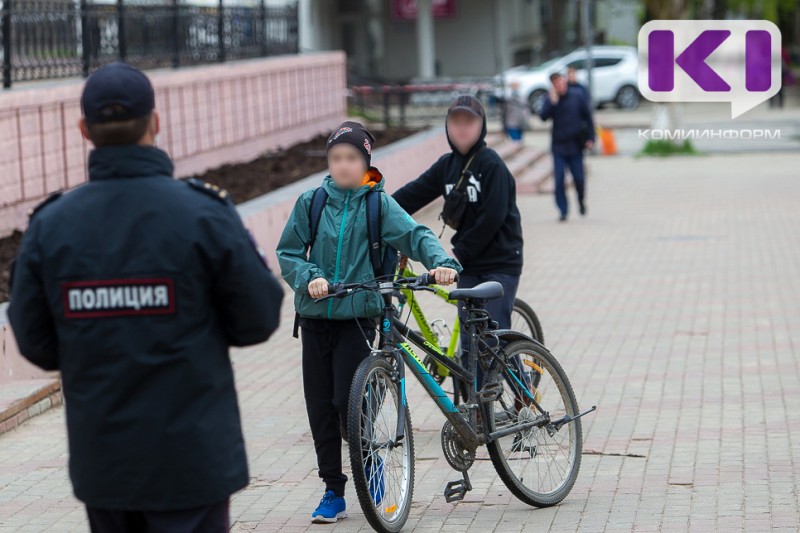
[[375, 480], [331, 508]]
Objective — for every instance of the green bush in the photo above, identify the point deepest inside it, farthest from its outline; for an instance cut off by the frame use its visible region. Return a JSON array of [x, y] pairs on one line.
[[663, 148]]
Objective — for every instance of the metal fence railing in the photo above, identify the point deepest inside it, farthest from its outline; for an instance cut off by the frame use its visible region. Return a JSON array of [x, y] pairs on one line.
[[419, 104], [44, 39]]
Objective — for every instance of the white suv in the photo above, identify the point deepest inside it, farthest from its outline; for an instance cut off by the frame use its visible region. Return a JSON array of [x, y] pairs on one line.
[[614, 76]]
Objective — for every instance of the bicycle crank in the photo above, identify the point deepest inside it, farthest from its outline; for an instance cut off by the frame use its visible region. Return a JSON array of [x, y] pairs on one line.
[[458, 455]]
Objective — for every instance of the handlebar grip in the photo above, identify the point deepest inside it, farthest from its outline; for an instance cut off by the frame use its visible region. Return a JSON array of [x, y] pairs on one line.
[[333, 288], [426, 279]]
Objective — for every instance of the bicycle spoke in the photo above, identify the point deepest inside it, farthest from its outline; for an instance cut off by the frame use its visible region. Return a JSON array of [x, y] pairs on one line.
[[540, 462], [384, 461]]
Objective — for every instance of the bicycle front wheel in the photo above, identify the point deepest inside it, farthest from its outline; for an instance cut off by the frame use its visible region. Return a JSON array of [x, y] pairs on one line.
[[382, 464], [538, 465]]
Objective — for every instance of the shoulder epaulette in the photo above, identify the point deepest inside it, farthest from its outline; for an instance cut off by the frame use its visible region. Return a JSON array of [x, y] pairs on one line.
[[50, 199], [209, 189]]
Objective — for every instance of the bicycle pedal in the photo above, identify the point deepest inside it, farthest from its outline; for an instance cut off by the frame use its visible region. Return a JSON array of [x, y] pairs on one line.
[[490, 393], [456, 490]]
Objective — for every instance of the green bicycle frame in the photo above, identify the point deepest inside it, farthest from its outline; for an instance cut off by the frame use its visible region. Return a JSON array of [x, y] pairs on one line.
[[394, 334], [422, 323]]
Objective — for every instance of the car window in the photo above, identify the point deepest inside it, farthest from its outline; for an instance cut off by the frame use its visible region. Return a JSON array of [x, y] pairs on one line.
[[577, 64], [601, 61]]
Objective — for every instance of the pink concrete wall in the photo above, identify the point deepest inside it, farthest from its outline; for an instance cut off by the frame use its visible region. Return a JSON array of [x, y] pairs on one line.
[[210, 116], [12, 365], [266, 216]]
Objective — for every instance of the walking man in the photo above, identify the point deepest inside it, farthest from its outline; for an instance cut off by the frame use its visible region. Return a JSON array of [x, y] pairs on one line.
[[572, 131]]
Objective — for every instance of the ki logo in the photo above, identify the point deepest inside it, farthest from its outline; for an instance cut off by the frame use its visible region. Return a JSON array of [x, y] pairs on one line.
[[736, 61]]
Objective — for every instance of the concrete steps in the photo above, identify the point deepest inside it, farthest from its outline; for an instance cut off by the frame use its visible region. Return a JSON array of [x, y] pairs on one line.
[[525, 159], [532, 167], [538, 178], [506, 149]]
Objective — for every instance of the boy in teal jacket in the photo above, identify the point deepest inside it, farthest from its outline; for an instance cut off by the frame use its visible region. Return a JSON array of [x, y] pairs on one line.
[[333, 332]]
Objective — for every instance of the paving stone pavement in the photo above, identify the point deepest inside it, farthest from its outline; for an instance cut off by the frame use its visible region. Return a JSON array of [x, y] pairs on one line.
[[675, 307]]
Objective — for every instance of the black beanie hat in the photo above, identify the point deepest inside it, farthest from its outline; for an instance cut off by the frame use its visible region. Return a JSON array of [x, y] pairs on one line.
[[355, 134]]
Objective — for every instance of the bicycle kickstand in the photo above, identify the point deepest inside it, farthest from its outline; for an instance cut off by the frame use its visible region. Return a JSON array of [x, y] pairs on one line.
[[456, 490]]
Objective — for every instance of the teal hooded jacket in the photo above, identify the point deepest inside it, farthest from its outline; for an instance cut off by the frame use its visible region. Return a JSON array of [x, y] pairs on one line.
[[340, 251]]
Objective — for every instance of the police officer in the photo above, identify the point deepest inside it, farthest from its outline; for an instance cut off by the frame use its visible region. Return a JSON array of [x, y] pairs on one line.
[[134, 286]]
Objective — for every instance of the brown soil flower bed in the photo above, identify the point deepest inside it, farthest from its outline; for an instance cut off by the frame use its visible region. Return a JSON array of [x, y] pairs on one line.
[[8, 249], [244, 181]]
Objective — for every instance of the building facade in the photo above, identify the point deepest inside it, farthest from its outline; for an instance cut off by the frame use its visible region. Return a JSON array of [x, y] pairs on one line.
[[407, 40]]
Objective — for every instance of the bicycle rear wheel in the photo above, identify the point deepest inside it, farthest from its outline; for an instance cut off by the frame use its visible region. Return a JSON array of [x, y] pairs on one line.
[[383, 468], [538, 467], [524, 320]]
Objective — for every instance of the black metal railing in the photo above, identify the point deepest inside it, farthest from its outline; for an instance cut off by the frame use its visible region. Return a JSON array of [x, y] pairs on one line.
[[45, 39], [421, 103]]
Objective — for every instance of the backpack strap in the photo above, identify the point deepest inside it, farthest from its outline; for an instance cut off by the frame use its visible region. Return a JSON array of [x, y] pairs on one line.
[[318, 201], [374, 231], [296, 327]]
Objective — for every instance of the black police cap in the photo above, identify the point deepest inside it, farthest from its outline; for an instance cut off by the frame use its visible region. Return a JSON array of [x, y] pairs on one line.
[[115, 92]]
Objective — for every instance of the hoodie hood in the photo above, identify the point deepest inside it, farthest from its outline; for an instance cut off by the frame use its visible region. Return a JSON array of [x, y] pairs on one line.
[[480, 143], [372, 180]]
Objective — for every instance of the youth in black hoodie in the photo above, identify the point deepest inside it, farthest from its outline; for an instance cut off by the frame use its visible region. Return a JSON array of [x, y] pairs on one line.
[[489, 240]]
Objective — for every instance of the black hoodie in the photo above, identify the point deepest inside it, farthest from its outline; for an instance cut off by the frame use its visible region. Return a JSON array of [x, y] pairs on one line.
[[490, 237]]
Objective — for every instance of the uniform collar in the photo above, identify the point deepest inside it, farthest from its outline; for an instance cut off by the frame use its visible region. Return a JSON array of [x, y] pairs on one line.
[[129, 161]]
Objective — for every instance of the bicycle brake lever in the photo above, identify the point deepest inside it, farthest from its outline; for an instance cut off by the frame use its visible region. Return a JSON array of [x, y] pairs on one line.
[[423, 288]]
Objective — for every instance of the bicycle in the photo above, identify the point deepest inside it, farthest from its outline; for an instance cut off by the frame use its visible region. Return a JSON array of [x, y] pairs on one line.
[[536, 460], [523, 320]]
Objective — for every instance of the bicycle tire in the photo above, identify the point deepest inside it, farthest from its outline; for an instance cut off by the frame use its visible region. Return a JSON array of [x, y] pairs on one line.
[[359, 403], [530, 317], [512, 479]]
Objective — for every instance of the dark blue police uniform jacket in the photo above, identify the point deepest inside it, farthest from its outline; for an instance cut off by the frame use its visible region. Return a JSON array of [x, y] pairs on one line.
[[134, 286]]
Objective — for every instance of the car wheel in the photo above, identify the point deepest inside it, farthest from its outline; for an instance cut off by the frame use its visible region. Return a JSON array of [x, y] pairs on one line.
[[536, 100], [628, 97]]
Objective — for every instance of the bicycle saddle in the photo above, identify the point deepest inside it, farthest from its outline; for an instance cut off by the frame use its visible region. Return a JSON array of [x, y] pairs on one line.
[[488, 290]]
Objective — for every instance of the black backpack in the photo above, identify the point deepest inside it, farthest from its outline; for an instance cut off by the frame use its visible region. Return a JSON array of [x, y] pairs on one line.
[[383, 265]]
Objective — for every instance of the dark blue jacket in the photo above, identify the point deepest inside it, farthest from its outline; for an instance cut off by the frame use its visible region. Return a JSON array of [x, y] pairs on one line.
[[572, 122], [581, 89], [134, 286]]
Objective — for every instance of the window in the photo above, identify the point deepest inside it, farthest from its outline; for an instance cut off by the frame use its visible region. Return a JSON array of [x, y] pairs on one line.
[[600, 62]]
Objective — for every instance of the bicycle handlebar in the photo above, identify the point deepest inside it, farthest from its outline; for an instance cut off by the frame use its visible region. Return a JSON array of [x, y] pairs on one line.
[[340, 290]]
